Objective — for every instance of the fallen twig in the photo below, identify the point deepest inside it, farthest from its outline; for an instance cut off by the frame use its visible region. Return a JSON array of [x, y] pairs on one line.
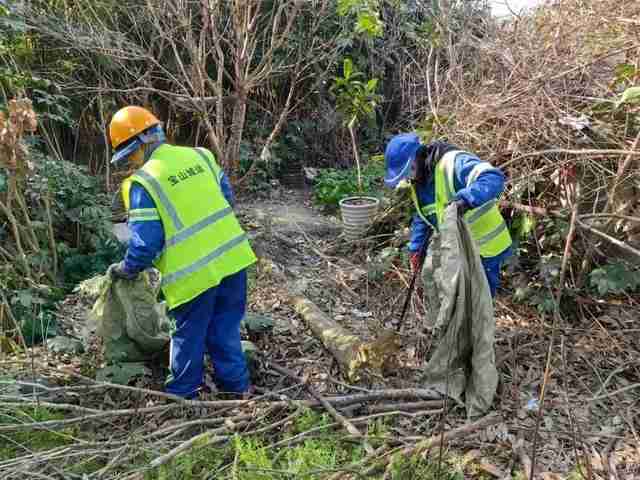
[[390, 407], [616, 392], [349, 427]]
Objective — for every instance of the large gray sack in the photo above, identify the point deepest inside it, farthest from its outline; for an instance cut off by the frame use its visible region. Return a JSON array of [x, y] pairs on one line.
[[460, 309], [126, 315]]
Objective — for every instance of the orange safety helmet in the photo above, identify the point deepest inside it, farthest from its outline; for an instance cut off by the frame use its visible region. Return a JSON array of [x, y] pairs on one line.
[[126, 128]]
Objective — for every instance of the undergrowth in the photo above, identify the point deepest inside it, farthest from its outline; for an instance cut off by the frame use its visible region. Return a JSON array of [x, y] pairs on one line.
[[20, 443], [244, 458]]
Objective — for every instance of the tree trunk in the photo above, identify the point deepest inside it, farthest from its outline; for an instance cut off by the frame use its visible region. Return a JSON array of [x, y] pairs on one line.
[[232, 153]]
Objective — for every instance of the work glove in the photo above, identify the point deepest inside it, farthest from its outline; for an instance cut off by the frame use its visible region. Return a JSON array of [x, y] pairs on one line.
[[414, 259], [117, 271]]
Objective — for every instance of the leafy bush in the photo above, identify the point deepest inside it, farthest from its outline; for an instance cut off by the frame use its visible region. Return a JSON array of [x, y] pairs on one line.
[[81, 216], [614, 278], [64, 202], [332, 185]]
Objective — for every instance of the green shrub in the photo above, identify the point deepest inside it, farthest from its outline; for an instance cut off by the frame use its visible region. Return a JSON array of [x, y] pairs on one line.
[[80, 218], [614, 278], [332, 185], [81, 215]]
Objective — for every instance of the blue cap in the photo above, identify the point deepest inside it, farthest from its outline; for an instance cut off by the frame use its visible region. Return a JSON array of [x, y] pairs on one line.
[[398, 157]]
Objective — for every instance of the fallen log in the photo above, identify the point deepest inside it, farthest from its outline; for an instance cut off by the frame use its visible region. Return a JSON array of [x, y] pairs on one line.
[[352, 354]]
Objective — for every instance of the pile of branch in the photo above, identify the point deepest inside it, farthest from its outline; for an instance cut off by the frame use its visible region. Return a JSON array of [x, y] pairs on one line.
[[553, 121], [193, 423]]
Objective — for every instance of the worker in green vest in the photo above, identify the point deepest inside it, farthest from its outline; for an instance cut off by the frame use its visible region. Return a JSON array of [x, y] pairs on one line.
[[180, 215], [439, 173]]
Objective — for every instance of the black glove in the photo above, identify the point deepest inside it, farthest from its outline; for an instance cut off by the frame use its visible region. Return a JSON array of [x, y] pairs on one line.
[[117, 271], [462, 206]]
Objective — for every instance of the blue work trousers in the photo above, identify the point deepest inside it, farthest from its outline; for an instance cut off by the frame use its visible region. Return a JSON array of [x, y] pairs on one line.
[[211, 323], [492, 267]]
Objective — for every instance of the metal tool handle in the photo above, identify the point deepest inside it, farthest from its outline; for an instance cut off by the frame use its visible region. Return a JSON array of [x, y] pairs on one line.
[[423, 251]]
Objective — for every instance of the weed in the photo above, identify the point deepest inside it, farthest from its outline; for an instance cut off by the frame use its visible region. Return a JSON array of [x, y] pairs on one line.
[[243, 458], [614, 278], [21, 442], [404, 468]]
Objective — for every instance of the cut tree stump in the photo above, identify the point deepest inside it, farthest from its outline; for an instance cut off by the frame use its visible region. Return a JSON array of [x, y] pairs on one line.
[[352, 354]]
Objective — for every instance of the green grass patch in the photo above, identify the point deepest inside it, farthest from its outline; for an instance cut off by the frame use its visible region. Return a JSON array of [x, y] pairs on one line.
[[324, 451], [418, 468], [22, 442]]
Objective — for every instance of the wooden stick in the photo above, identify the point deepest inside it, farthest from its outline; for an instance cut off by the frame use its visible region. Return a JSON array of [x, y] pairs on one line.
[[391, 407], [614, 241], [567, 251]]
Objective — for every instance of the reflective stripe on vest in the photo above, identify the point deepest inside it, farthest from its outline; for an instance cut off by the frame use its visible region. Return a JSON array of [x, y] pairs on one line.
[[423, 212], [487, 225], [161, 195], [204, 156], [204, 242], [143, 215], [479, 169]]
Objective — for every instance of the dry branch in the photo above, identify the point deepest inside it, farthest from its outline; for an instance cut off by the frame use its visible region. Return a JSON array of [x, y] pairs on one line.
[[406, 406], [546, 212]]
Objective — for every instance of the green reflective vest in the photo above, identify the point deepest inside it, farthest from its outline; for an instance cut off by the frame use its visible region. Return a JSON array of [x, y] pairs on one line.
[[125, 188], [204, 241], [486, 223]]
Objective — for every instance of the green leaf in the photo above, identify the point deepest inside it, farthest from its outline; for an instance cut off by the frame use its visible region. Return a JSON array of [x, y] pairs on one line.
[[347, 67], [122, 373], [25, 298], [630, 95], [614, 278], [369, 24], [372, 85]]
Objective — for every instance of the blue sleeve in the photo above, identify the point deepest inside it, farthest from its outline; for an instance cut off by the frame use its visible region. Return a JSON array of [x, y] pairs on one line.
[[420, 232], [227, 191], [488, 186], [147, 234]]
